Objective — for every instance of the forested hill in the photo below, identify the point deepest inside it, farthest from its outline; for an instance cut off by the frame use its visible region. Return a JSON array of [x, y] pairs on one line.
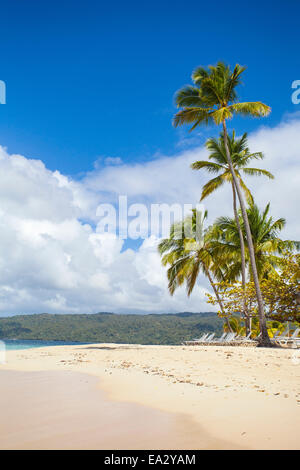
[[110, 328]]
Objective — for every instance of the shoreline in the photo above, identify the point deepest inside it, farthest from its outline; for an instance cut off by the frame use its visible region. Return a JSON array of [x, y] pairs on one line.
[[65, 410], [240, 397]]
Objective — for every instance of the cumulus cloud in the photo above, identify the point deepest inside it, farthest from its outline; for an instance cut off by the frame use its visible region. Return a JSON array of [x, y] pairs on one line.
[[54, 258], [281, 147]]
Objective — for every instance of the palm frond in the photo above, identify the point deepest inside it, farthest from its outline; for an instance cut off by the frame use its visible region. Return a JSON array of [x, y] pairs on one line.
[[221, 115], [199, 74], [258, 172], [233, 82], [246, 157], [247, 191], [189, 96], [255, 109], [211, 186], [194, 116], [211, 167]]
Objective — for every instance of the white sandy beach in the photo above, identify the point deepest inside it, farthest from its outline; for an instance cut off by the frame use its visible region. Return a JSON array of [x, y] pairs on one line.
[[221, 397]]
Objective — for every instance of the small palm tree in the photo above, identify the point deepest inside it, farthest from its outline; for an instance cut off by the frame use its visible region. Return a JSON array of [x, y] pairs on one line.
[[237, 326], [186, 252], [268, 246], [218, 164], [213, 100]]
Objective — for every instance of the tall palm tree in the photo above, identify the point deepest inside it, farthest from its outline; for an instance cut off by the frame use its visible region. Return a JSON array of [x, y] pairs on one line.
[[218, 164], [186, 252], [213, 100]]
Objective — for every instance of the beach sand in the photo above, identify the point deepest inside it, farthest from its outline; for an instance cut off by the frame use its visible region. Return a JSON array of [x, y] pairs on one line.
[[164, 397], [66, 410]]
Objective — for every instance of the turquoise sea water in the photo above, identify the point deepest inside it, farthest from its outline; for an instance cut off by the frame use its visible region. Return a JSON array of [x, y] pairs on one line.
[[11, 344]]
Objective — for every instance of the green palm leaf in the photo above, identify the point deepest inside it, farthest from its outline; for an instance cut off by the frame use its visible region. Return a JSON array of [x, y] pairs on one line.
[[211, 167], [254, 108], [212, 185], [258, 172]]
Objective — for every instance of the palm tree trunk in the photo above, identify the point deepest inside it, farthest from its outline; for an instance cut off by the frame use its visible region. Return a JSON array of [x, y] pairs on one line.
[[218, 299], [242, 244], [265, 340]]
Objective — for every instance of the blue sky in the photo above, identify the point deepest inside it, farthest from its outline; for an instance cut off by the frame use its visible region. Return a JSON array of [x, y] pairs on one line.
[[88, 80], [91, 84]]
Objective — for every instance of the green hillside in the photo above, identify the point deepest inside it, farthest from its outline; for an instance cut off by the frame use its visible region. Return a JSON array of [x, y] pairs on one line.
[[110, 328]]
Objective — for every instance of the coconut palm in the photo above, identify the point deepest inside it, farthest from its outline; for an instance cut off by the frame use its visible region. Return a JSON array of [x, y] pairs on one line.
[[268, 246], [237, 326], [218, 165], [186, 252], [213, 100]]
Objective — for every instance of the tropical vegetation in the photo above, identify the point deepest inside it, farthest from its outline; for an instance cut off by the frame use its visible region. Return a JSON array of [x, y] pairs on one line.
[[218, 164], [187, 252], [110, 328], [247, 246]]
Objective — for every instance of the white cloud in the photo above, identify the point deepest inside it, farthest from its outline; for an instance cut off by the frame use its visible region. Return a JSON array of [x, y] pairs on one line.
[[53, 259], [281, 147]]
